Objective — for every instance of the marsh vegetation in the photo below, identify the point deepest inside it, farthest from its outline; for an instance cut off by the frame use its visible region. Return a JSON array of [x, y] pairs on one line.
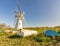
[[33, 40]]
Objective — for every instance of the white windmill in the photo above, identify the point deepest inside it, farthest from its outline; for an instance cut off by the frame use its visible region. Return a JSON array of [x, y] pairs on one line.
[[19, 16]]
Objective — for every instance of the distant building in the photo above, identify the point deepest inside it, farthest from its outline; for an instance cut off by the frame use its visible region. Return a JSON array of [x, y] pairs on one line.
[[4, 26]]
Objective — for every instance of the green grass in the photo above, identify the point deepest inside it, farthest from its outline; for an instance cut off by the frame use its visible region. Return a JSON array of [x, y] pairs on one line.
[[33, 40]]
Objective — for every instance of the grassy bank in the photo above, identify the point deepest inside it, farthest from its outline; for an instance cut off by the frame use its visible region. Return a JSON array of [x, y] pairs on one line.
[[34, 40]]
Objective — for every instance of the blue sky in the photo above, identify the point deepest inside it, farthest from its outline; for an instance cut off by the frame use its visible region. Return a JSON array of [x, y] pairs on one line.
[[37, 12]]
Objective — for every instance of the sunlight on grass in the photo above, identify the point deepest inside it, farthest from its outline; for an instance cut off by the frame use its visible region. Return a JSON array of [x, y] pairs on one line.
[[33, 40]]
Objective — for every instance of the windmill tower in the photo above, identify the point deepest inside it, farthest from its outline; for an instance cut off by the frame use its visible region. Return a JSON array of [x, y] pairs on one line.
[[19, 17]]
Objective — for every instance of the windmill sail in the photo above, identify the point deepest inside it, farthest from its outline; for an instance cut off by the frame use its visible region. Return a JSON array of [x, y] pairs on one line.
[[19, 8]]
